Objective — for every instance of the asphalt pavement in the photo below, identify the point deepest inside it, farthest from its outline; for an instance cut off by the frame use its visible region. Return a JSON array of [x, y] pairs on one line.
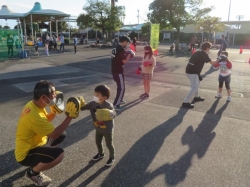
[[157, 142]]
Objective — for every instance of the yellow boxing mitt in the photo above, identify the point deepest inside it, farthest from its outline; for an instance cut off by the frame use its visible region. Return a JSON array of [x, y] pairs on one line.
[[72, 107], [82, 101], [104, 114]]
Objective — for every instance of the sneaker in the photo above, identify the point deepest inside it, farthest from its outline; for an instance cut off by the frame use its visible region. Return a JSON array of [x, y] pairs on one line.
[[229, 98], [188, 105], [122, 102], [118, 108], [39, 180], [199, 99], [110, 162], [98, 157], [142, 95], [145, 96], [219, 95]]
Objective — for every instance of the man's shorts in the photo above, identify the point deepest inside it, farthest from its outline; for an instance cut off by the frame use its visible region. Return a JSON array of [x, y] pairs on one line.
[[224, 79], [147, 76], [43, 154]]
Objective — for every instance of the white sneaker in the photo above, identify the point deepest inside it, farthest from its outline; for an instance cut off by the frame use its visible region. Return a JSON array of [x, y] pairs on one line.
[[39, 180], [229, 98], [218, 95]]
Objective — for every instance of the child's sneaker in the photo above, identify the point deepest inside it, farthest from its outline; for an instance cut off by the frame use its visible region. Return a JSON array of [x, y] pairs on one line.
[[98, 157], [110, 162], [218, 95], [122, 102], [118, 108], [39, 180], [229, 98]]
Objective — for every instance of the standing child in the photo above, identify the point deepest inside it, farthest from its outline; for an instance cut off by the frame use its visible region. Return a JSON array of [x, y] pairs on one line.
[[75, 43], [46, 48], [225, 74], [36, 47], [148, 65], [103, 115]]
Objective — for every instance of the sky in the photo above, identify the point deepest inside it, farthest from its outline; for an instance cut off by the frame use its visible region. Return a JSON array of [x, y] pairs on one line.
[[74, 8]]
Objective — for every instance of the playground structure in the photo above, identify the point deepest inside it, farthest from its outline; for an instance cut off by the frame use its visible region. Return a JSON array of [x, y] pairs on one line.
[[36, 15]]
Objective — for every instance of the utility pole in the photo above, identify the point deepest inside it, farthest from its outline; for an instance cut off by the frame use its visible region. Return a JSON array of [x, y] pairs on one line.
[[138, 24], [229, 10], [113, 3]]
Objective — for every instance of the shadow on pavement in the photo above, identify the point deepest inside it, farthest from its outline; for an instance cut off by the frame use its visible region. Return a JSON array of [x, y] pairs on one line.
[[78, 174], [131, 169], [198, 140], [210, 71], [93, 177]]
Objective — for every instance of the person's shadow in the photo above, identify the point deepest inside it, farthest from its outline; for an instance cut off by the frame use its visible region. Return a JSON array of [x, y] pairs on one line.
[[131, 169], [198, 140], [210, 71]]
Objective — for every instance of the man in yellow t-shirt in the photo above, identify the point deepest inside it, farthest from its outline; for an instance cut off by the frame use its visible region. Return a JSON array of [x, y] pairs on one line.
[[36, 136]]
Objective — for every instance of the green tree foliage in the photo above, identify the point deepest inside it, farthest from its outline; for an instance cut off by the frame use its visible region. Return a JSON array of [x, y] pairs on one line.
[[145, 29], [210, 24], [176, 13], [62, 26], [101, 15], [84, 21], [6, 27]]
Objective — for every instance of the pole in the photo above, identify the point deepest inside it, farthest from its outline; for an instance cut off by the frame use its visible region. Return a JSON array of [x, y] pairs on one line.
[[229, 10], [69, 30], [56, 28], [31, 28], [138, 24], [50, 29], [87, 35], [25, 32]]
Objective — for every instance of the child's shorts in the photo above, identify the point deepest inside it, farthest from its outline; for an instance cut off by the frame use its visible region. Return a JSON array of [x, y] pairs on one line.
[[224, 79], [147, 76]]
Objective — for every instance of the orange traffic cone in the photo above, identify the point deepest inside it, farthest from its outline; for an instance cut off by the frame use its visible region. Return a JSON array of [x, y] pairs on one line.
[[241, 50], [156, 52]]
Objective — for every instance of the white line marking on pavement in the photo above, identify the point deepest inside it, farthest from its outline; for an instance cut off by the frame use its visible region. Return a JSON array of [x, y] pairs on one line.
[[29, 86], [238, 60]]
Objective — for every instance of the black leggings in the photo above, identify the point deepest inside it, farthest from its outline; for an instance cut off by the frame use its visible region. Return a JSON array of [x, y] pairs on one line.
[[227, 84]]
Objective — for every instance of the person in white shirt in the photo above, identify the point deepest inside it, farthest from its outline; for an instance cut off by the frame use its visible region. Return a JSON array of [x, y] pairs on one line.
[[225, 67], [62, 43]]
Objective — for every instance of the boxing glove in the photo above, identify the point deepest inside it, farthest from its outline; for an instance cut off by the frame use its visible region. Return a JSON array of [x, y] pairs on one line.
[[229, 65]]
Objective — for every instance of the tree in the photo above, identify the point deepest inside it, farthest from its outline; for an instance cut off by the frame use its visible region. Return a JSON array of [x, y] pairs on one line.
[[6, 27], [210, 24], [101, 15], [176, 14], [145, 29], [84, 21], [0, 26], [62, 26]]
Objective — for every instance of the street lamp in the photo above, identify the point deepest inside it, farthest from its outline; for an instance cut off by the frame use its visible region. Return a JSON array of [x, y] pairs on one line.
[[229, 10], [138, 24]]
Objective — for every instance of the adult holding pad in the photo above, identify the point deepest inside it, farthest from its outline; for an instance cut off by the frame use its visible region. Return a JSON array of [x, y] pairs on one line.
[[193, 71], [119, 57], [36, 136]]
